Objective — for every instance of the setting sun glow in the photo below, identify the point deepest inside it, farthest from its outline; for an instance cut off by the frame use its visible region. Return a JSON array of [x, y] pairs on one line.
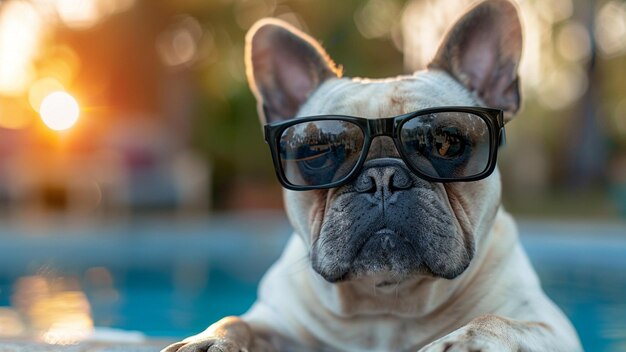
[[59, 111]]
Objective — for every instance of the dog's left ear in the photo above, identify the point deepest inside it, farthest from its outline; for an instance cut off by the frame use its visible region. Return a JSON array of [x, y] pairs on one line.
[[482, 51], [284, 66]]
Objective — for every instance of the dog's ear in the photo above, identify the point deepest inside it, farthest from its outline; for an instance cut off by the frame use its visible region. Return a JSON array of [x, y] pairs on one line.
[[284, 66], [482, 51]]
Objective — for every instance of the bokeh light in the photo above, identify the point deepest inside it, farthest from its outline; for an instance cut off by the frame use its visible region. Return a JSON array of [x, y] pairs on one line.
[[376, 18], [573, 41], [55, 307], [62, 63], [84, 14], [79, 13], [611, 28], [562, 87], [59, 111], [178, 44], [40, 89], [20, 32], [553, 11]]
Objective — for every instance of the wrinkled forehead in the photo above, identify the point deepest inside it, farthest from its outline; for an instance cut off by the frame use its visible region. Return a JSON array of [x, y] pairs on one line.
[[387, 97]]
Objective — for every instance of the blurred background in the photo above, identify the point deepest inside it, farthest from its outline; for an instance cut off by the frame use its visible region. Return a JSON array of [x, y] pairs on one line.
[[136, 191]]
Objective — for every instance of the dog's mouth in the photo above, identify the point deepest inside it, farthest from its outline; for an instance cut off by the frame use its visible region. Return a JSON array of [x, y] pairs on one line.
[[386, 284], [384, 258], [387, 240]]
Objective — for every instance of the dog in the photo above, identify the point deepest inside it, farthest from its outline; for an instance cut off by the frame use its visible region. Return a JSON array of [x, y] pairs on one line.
[[400, 258]]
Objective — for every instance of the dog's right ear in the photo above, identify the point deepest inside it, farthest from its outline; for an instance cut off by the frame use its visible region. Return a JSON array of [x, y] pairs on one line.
[[284, 66]]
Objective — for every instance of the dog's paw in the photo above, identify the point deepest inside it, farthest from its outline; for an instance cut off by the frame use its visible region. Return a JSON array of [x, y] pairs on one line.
[[205, 345], [485, 334], [227, 335]]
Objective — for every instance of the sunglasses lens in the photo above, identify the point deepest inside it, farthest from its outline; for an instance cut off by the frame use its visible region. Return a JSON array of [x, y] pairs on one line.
[[318, 153], [447, 144]]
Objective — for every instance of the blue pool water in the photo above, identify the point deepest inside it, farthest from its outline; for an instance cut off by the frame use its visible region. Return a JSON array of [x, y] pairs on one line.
[[174, 279]]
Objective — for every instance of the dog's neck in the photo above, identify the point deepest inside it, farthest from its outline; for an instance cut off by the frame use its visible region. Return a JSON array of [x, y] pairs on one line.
[[424, 295]]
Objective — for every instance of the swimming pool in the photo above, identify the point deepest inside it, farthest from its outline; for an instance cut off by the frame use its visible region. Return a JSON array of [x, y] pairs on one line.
[[173, 278]]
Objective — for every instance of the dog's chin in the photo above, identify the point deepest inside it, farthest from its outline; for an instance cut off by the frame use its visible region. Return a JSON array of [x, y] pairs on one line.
[[384, 279], [385, 258]]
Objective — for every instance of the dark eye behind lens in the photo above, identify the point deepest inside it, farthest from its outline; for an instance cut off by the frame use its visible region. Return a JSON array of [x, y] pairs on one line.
[[315, 157], [318, 163], [447, 144], [320, 152]]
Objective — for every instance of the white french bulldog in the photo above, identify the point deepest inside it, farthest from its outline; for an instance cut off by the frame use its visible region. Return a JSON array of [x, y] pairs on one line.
[[397, 263]]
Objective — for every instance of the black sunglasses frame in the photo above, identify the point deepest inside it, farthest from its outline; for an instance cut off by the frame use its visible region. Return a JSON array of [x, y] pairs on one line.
[[391, 127]]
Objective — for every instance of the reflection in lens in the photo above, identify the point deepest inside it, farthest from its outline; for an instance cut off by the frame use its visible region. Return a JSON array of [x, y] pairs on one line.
[[447, 144], [321, 152]]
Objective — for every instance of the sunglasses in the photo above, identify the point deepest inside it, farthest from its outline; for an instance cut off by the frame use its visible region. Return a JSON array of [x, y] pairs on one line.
[[444, 144]]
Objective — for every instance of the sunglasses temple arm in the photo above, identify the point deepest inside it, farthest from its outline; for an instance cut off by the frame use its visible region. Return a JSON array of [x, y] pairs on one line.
[[266, 130], [502, 137]]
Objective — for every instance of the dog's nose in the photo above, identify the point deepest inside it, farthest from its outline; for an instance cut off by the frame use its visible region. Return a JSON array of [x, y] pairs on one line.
[[384, 176]]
